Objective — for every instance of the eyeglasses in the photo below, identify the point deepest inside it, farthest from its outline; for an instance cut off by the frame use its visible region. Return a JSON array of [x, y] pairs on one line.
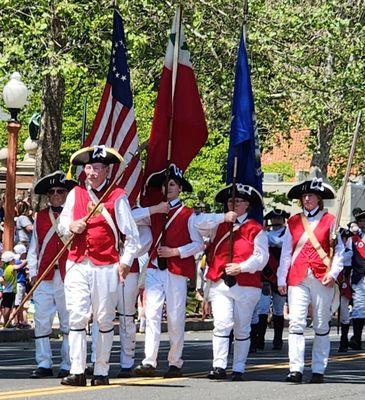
[[237, 200], [57, 191]]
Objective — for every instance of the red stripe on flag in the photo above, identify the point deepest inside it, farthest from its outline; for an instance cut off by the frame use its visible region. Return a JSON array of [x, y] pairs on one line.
[[99, 115]]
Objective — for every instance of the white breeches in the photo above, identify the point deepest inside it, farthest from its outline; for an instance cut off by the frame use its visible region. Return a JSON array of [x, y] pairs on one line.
[[127, 297], [310, 291], [161, 286], [91, 289], [49, 298], [232, 309]]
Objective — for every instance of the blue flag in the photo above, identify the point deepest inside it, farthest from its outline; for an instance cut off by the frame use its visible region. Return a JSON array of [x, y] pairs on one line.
[[243, 135]]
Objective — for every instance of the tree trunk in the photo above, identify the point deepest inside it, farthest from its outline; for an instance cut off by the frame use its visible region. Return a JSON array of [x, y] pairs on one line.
[[48, 152], [321, 155]]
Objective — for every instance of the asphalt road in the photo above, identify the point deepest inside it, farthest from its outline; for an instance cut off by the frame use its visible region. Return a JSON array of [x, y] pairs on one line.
[[264, 377]]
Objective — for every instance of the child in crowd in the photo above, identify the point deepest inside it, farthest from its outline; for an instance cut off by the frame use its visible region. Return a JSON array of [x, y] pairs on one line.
[[8, 280]]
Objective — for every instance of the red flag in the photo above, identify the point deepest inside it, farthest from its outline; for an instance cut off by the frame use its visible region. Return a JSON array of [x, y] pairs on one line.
[[189, 132], [115, 124]]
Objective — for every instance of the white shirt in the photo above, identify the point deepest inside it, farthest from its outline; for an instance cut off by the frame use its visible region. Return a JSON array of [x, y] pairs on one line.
[[286, 253], [124, 219], [208, 224], [142, 216], [276, 237]]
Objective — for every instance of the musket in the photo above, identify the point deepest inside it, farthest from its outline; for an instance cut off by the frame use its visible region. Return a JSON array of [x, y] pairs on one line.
[[342, 201], [70, 239]]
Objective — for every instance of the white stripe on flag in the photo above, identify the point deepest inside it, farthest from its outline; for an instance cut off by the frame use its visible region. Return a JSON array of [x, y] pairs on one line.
[[124, 129]]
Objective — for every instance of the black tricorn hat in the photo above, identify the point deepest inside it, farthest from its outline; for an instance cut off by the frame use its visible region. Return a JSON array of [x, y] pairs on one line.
[[158, 179], [246, 192], [277, 212], [360, 215], [96, 154], [316, 185], [56, 179]]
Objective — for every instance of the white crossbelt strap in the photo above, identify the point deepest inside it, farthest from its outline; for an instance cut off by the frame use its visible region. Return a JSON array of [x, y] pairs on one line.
[[142, 275], [224, 237], [314, 241], [109, 219], [304, 238], [51, 231]]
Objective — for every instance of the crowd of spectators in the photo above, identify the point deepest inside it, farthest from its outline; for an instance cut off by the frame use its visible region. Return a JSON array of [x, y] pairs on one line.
[[14, 278]]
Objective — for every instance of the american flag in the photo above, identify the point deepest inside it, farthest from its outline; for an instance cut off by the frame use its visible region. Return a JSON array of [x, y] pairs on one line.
[[115, 124]]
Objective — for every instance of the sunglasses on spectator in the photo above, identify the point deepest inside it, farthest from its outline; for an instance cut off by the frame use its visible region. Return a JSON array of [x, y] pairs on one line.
[[57, 191]]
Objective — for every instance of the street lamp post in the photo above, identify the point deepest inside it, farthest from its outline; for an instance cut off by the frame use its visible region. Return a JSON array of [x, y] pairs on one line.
[[15, 97]]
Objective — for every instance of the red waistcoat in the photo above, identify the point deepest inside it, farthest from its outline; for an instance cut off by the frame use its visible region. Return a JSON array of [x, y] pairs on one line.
[[308, 256], [54, 245], [243, 247], [176, 235], [97, 242]]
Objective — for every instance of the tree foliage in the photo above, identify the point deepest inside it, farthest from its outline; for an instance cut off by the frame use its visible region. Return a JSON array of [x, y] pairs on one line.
[[306, 61]]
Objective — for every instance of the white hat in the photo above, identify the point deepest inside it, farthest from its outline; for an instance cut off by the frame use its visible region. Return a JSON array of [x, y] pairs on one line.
[[20, 249], [8, 256]]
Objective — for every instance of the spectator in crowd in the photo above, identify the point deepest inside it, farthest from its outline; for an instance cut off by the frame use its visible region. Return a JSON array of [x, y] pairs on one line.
[[22, 273], [8, 279], [24, 224]]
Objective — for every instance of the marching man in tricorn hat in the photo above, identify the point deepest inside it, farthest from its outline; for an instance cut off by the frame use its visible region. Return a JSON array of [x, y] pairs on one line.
[[235, 287], [308, 276], [49, 297], [95, 262], [357, 245], [172, 263]]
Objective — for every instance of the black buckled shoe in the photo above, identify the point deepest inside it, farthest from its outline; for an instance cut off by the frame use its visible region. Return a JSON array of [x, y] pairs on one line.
[[316, 378], [294, 377], [144, 370], [217, 373], [62, 373], [41, 372], [236, 376], [354, 344], [173, 372], [99, 380], [125, 373], [74, 380]]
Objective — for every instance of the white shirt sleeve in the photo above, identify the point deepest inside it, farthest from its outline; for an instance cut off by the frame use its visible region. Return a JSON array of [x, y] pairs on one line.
[[285, 258], [260, 257], [338, 259], [66, 216], [141, 216], [207, 223], [197, 242], [145, 238], [33, 251], [128, 227]]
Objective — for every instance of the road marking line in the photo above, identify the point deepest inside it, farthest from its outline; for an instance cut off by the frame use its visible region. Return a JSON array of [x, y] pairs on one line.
[[53, 390], [115, 383]]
